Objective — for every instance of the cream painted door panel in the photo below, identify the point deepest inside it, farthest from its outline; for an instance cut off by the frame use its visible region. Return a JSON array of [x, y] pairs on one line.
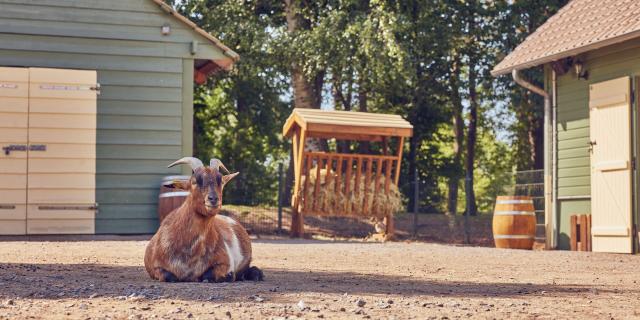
[[14, 117], [610, 134], [62, 152]]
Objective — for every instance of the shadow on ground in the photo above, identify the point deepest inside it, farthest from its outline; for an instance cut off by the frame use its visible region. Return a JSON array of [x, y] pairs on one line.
[[59, 281]]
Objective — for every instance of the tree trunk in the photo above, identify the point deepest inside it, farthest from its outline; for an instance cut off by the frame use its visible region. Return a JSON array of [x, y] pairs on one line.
[[303, 90], [458, 131], [471, 208], [363, 146]]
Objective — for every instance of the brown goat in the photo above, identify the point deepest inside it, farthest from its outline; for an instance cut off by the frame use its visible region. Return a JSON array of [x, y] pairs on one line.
[[194, 242]]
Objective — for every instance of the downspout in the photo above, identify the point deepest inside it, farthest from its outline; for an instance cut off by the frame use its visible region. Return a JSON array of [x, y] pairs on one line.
[[554, 162], [548, 179]]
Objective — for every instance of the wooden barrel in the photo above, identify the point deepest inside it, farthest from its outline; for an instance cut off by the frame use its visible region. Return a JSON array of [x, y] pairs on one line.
[[169, 198], [514, 222]]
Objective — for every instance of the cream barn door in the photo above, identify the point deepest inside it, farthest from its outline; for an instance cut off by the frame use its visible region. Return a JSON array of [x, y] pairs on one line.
[[610, 130], [14, 108], [62, 151]]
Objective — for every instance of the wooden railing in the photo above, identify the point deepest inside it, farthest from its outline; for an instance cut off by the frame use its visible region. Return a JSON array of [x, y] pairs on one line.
[[345, 176]]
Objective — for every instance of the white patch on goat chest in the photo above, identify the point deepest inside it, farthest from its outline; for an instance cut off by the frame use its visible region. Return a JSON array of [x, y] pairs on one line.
[[226, 219], [233, 252]]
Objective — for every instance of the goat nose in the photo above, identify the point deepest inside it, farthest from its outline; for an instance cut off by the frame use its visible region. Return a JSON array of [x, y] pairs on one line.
[[213, 199]]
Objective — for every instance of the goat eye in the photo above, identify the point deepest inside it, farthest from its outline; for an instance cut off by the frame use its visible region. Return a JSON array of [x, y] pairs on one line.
[[199, 180]]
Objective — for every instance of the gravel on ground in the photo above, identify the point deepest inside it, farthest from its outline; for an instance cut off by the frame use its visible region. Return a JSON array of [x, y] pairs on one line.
[[105, 279]]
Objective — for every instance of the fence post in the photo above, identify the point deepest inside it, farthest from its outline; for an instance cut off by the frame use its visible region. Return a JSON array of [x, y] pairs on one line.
[[415, 201], [280, 196]]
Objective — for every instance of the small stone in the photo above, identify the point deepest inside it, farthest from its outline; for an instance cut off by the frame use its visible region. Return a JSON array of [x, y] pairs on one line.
[[94, 295], [189, 315], [384, 305], [343, 309], [390, 301], [83, 306], [301, 305], [360, 303], [11, 302], [134, 317], [359, 311], [176, 310], [228, 314], [145, 308]]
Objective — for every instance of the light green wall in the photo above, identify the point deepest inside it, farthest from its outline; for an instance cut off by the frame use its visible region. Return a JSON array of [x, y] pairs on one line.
[[573, 178], [145, 107]]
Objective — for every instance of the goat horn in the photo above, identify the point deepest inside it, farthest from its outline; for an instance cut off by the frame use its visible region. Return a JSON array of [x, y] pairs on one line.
[[195, 163], [216, 163]]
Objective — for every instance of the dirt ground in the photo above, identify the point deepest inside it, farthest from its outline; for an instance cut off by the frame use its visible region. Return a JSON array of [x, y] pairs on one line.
[[105, 279]]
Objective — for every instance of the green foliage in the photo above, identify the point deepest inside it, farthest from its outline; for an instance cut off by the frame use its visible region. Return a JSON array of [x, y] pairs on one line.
[[374, 55], [239, 114]]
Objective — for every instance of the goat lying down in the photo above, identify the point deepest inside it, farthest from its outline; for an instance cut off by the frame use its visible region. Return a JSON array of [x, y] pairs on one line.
[[194, 242]]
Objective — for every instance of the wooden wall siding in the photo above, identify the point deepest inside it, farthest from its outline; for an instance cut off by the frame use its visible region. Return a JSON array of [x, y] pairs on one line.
[[573, 177], [147, 84]]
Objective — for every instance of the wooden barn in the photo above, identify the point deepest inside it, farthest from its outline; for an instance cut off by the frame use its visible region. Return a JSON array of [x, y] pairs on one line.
[[590, 51], [96, 98]]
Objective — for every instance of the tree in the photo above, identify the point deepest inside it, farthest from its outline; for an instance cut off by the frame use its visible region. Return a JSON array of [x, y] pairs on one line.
[[515, 22], [239, 113]]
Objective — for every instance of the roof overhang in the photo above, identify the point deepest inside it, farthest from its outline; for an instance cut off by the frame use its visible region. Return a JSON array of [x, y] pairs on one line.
[[579, 27], [215, 65], [498, 70], [346, 125]]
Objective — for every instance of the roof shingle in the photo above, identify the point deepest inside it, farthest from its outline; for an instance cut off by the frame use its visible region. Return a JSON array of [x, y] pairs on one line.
[[580, 26]]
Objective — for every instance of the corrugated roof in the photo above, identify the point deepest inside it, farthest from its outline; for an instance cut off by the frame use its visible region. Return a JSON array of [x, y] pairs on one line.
[[320, 123], [233, 56], [580, 26]]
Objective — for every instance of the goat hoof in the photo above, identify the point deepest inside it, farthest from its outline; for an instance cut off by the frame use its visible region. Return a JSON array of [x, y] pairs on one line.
[[254, 274], [207, 276], [230, 277], [167, 276]]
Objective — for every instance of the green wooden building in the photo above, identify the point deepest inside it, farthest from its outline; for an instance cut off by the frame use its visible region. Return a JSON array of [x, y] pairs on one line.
[[590, 51], [147, 59]]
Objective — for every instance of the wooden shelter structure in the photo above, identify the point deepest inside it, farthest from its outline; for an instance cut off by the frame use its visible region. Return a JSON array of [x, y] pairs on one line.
[[343, 172]]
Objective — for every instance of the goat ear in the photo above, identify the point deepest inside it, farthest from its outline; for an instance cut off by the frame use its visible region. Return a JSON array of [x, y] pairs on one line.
[[176, 184], [228, 177]]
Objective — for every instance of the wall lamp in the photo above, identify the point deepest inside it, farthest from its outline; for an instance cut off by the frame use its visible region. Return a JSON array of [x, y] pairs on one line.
[[581, 73]]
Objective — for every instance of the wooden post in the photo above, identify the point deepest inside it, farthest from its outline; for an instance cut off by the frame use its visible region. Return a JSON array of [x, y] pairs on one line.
[[316, 187], [297, 218], [583, 232], [399, 158], [385, 145], [307, 182], [336, 188], [367, 182], [327, 180], [574, 233], [356, 185], [347, 183]]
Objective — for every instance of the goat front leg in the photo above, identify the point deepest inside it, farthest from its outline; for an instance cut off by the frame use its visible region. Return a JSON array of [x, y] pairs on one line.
[[218, 273], [165, 276]]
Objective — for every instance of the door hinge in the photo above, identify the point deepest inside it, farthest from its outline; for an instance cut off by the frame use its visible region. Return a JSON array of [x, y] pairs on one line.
[[633, 163]]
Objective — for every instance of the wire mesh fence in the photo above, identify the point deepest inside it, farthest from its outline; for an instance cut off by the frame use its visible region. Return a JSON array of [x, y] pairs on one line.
[[424, 220]]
